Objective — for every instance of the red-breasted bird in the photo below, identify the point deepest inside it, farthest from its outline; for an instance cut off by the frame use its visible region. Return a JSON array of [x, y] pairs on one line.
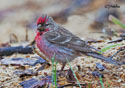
[[52, 39]]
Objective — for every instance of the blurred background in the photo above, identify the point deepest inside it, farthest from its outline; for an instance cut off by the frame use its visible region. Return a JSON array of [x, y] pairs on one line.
[[82, 17]]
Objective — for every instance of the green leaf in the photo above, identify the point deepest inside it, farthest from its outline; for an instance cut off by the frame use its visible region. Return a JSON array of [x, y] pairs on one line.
[[74, 74], [101, 82], [109, 47], [116, 21], [54, 71]]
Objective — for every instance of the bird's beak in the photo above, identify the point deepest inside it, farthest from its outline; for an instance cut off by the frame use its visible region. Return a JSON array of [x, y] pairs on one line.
[[40, 28]]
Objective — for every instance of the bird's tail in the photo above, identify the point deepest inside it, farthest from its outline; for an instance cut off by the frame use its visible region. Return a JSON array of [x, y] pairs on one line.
[[101, 57]]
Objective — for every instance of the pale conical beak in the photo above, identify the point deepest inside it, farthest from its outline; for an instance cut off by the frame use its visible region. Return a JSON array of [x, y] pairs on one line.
[[40, 28]]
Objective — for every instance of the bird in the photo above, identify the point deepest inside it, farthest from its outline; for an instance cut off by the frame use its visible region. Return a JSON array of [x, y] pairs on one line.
[[54, 40]]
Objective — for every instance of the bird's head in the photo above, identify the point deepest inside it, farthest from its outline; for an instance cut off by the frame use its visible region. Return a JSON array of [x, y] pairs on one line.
[[44, 23]]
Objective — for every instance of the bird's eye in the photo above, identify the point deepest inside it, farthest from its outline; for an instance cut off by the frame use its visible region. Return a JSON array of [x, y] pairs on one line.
[[46, 24]]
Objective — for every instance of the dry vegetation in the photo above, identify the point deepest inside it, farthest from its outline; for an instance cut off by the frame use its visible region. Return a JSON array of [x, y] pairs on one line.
[[17, 16]]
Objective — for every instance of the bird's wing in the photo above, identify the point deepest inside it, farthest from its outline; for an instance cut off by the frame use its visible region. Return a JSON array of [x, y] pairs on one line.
[[62, 37]]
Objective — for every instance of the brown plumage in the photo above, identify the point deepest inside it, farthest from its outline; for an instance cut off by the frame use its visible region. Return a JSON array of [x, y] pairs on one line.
[[53, 39]]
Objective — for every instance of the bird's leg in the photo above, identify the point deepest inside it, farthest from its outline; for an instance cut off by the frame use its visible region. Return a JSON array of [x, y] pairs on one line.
[[60, 71], [63, 66]]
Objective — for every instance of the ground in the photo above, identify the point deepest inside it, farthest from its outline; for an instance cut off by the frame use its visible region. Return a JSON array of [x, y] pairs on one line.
[[17, 17]]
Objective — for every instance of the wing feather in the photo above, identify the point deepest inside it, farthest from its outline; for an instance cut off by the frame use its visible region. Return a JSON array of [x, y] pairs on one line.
[[63, 37]]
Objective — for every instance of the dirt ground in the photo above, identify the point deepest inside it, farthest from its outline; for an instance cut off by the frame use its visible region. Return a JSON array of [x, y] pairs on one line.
[[18, 16]]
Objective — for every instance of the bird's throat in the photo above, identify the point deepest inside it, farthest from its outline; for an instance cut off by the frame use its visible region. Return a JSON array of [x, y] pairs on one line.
[[39, 34]]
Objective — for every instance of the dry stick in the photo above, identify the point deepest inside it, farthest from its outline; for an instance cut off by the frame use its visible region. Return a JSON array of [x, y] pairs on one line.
[[32, 43], [118, 40], [6, 51], [122, 37], [13, 38], [27, 35], [95, 41], [121, 49], [73, 85]]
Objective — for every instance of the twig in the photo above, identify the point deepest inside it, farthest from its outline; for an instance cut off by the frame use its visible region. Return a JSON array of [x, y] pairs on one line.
[[6, 51], [13, 38], [32, 43], [121, 49], [27, 35], [95, 41], [118, 40], [67, 85]]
